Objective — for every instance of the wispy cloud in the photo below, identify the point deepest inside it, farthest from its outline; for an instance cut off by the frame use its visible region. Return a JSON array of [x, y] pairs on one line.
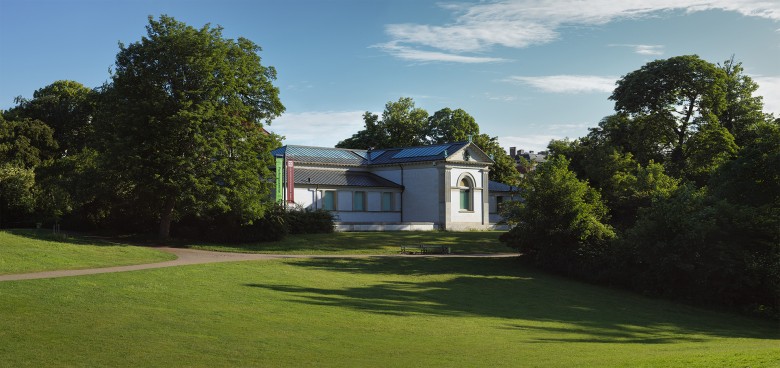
[[568, 83], [523, 23], [408, 53], [643, 49], [318, 128], [769, 88]]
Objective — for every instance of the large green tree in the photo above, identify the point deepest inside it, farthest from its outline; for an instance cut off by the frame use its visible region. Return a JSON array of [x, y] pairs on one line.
[[678, 94], [182, 122]]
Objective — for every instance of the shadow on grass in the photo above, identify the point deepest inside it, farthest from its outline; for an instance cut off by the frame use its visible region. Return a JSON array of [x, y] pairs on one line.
[[376, 242], [529, 301], [46, 235]]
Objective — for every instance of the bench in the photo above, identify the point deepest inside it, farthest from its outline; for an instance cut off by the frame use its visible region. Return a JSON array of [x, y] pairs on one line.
[[425, 249]]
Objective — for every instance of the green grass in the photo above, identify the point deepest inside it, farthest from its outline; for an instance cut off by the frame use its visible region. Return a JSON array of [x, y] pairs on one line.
[[24, 251], [376, 312], [369, 243]]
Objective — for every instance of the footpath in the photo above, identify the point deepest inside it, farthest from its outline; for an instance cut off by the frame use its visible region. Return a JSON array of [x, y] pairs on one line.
[[195, 256]]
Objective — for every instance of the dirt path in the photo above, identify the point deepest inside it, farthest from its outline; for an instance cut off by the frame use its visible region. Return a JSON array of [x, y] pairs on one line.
[[194, 256]]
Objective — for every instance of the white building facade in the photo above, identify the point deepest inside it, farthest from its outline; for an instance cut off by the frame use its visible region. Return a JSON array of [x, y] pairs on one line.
[[444, 186]]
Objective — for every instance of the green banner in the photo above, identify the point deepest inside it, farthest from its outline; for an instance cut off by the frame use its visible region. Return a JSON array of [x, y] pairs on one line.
[[279, 180]]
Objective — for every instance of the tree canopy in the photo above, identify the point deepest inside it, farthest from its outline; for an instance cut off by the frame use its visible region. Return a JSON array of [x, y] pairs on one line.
[[403, 125], [678, 94], [182, 123]]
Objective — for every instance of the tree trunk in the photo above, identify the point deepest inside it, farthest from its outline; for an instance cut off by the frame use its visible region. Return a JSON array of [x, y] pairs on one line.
[[165, 218]]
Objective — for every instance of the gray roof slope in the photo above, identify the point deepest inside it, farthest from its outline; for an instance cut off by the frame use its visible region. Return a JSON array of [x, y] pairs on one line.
[[342, 178], [363, 157], [494, 186]]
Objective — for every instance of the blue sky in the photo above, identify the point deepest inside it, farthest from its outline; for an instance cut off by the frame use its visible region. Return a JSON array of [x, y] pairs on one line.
[[527, 70]]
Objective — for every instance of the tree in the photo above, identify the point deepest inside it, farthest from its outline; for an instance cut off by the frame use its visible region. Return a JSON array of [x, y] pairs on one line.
[[403, 125], [26, 142], [742, 108], [65, 106], [447, 125], [562, 224], [374, 135], [182, 123], [17, 195], [679, 94]]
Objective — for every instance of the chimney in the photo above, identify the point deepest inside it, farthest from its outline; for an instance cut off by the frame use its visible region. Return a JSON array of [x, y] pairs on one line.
[[512, 152], [531, 152]]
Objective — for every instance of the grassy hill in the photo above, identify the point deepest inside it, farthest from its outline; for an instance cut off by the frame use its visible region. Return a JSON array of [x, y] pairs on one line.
[[375, 312]]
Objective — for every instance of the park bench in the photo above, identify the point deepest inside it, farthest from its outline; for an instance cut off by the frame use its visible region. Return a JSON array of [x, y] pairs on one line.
[[425, 249]]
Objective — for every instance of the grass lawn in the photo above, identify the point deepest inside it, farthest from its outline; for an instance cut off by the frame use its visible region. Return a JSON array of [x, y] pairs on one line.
[[24, 251], [469, 242], [375, 312]]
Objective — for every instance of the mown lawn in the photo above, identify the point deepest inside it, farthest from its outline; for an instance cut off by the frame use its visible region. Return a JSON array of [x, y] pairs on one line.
[[375, 312], [469, 242], [24, 251]]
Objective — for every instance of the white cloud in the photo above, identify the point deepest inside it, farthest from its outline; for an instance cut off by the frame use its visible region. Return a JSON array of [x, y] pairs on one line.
[[317, 128], [643, 49], [523, 23], [769, 87], [408, 53], [568, 83]]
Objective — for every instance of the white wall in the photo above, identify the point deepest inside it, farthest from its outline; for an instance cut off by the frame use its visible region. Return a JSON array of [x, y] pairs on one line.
[[421, 196]]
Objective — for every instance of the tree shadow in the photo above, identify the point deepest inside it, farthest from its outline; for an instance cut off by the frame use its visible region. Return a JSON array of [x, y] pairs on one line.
[[46, 235], [502, 288], [377, 242]]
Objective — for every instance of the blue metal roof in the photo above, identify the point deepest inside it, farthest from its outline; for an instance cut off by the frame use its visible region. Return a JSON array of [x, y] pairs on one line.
[[421, 151], [321, 154], [363, 157]]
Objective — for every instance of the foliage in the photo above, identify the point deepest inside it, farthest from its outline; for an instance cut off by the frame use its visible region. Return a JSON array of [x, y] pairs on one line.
[[17, 195], [181, 123], [563, 221], [705, 226], [711, 146], [26, 142], [66, 107], [301, 221], [743, 108], [678, 94], [404, 125]]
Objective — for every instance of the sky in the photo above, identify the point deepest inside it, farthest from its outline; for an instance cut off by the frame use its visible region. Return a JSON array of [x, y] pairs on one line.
[[528, 71]]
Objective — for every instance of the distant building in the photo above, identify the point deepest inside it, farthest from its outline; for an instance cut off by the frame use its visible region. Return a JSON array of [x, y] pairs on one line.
[[442, 186], [530, 156]]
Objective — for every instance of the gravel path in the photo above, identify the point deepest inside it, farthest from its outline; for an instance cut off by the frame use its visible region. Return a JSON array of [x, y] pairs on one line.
[[194, 256]]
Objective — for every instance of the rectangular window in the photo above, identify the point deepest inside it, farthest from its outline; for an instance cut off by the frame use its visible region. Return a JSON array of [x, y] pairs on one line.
[[499, 202], [387, 201], [329, 200], [465, 199], [359, 201]]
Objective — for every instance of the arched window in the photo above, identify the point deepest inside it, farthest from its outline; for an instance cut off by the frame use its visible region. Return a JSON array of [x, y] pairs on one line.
[[466, 185]]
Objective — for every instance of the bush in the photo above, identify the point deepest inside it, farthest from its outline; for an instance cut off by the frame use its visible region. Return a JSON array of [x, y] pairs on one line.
[[309, 222], [561, 225], [276, 223]]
